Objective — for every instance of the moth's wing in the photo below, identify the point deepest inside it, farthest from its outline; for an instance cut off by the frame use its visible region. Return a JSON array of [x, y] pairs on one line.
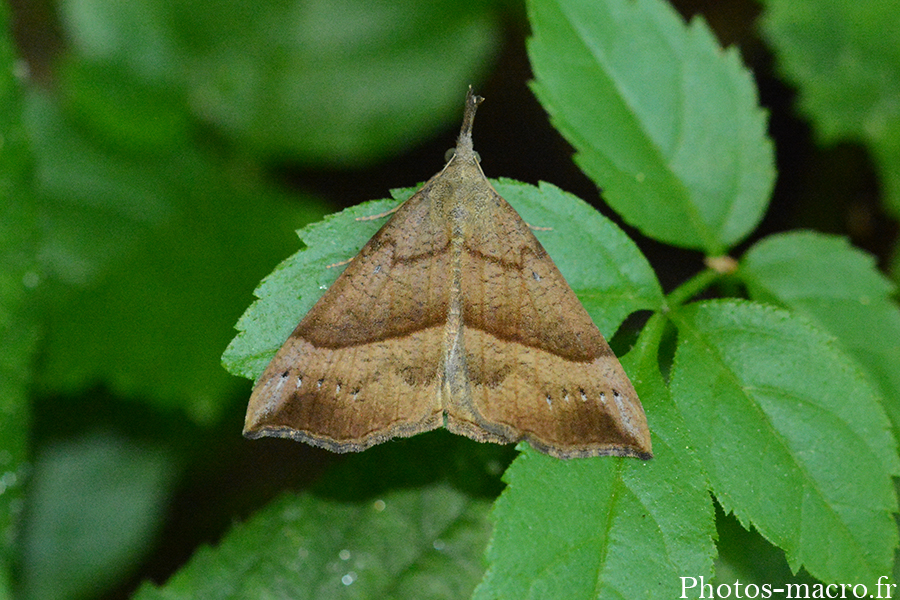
[[538, 368], [361, 367]]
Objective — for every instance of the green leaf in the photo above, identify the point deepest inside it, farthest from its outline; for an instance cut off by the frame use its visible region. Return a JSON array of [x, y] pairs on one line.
[[323, 81], [94, 503], [839, 288], [791, 436], [409, 543], [151, 258], [603, 266], [846, 64], [605, 527], [661, 118], [18, 327]]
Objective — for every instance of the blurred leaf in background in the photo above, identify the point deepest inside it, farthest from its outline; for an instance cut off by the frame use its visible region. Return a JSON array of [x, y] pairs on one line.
[[319, 81], [150, 257], [845, 63], [18, 320], [115, 493]]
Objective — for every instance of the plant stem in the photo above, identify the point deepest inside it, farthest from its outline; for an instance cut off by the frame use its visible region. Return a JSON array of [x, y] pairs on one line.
[[647, 344], [691, 288]]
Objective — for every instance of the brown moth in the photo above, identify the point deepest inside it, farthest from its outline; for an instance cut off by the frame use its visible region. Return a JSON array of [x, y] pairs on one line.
[[452, 314]]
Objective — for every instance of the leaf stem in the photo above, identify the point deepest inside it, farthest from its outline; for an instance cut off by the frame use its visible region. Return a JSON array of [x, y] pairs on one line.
[[647, 344], [648, 341], [691, 288]]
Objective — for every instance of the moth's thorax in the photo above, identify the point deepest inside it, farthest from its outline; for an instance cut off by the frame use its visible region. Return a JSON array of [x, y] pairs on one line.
[[462, 192]]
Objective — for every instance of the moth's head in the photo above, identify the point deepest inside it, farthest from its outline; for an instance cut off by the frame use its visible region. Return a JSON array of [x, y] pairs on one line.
[[451, 153]]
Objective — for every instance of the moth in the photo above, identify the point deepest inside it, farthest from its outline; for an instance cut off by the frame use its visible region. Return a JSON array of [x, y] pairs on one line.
[[453, 315]]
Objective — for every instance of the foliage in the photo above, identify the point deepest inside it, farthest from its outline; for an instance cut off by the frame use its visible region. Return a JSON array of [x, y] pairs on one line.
[[18, 234], [139, 210], [848, 75]]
